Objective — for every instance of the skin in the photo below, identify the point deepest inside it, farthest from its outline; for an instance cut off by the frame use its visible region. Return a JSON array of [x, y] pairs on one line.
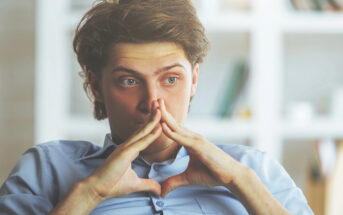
[[151, 114], [134, 77]]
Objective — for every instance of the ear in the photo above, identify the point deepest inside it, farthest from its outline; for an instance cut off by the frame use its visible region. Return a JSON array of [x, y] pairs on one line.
[[95, 84], [195, 74]]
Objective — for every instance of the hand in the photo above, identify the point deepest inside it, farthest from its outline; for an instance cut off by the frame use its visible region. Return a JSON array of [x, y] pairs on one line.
[[115, 176], [208, 165]]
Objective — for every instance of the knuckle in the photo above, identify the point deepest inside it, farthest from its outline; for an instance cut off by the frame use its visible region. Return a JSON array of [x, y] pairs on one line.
[[179, 125], [145, 129], [198, 138], [224, 179], [149, 137], [159, 129]]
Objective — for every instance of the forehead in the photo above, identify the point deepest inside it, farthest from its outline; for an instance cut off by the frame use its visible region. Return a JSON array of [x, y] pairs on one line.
[[147, 53]]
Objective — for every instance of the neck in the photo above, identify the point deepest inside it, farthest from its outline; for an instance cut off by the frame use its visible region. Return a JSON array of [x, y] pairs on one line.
[[166, 153]]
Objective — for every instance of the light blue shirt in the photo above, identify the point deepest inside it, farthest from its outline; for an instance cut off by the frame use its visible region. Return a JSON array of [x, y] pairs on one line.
[[45, 173]]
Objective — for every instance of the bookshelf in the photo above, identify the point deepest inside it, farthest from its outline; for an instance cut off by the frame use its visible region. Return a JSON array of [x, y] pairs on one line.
[[260, 33]]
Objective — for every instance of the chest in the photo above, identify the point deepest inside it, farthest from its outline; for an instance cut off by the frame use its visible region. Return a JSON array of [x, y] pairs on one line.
[[184, 200]]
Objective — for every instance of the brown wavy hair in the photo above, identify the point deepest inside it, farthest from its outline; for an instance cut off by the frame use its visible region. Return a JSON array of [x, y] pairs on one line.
[[135, 21]]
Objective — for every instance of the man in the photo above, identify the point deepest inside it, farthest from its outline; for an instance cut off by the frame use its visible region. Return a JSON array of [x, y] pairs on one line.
[[140, 60]]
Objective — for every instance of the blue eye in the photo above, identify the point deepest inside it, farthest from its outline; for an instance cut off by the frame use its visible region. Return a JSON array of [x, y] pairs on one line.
[[129, 82], [170, 80]]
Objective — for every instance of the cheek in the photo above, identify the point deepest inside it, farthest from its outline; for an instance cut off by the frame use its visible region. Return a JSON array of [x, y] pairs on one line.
[[118, 102], [177, 104]]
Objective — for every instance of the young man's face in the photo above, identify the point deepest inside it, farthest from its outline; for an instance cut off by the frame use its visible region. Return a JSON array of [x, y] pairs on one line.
[[138, 74]]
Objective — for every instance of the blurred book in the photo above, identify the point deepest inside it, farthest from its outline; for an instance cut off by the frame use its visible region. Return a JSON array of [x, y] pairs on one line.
[[336, 4], [317, 5], [234, 85], [236, 5]]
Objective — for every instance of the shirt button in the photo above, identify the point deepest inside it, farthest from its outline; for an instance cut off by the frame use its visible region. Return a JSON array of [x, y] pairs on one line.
[[160, 204], [156, 168]]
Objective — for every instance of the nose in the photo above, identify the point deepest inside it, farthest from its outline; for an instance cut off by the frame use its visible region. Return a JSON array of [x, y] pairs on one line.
[[149, 94]]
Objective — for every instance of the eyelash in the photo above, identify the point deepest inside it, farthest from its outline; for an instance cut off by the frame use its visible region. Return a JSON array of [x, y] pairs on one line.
[[175, 79], [127, 80], [136, 81]]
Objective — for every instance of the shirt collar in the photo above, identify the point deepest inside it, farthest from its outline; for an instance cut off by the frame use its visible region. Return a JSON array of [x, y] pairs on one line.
[[109, 142], [103, 152]]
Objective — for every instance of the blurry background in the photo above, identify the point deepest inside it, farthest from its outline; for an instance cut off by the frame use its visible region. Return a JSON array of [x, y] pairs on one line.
[[273, 80], [17, 80]]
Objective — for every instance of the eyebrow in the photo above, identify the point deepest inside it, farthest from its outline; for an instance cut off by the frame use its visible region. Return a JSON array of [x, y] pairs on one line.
[[131, 71]]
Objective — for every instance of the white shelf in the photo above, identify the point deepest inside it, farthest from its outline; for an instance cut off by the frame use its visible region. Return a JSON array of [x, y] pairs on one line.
[[214, 128], [310, 22], [232, 22], [227, 129], [314, 129]]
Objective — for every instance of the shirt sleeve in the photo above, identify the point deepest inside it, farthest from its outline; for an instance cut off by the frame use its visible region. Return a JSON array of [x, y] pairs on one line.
[[273, 176], [28, 187], [281, 185]]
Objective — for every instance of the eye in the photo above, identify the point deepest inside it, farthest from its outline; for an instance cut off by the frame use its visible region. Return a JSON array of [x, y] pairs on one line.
[[129, 82], [170, 80]]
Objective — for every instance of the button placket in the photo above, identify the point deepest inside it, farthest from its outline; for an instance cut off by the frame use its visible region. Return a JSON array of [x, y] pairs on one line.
[[156, 167], [154, 173], [158, 203]]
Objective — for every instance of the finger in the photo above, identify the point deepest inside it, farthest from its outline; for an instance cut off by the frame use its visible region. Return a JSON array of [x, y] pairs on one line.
[[147, 128], [132, 151], [169, 119], [144, 142], [172, 183], [138, 133], [149, 185], [181, 139]]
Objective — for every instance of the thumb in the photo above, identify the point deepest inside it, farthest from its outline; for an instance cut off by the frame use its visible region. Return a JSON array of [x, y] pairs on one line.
[[173, 182], [149, 185]]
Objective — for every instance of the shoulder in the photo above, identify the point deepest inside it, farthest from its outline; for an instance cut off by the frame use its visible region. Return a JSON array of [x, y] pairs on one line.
[[273, 176], [244, 154], [47, 170], [41, 160], [269, 170], [70, 149]]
